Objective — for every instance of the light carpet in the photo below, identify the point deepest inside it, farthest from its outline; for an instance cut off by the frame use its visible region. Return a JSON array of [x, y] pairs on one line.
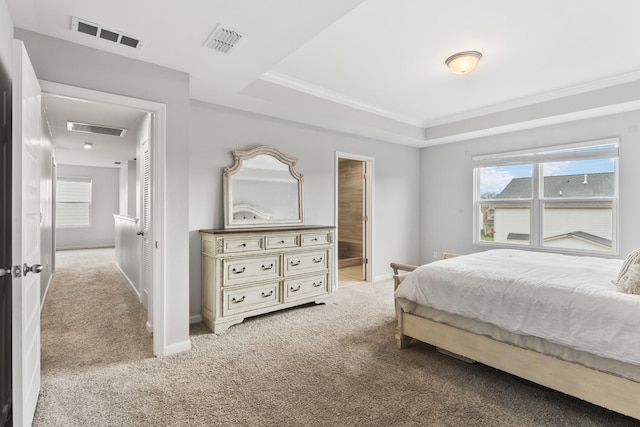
[[324, 365]]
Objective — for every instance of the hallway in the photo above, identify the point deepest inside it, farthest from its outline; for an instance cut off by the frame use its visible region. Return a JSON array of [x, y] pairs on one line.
[[90, 317]]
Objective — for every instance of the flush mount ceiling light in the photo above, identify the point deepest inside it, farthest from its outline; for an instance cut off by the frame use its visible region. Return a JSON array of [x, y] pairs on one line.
[[463, 62], [88, 145]]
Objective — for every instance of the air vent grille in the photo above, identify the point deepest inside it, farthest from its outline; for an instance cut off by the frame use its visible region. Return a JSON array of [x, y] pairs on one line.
[[223, 39], [96, 129], [96, 30]]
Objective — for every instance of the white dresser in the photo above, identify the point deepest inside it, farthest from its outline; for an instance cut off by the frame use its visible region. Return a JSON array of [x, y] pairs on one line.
[[252, 271]]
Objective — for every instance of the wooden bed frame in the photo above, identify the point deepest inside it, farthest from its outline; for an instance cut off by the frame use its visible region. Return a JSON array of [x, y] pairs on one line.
[[597, 387]]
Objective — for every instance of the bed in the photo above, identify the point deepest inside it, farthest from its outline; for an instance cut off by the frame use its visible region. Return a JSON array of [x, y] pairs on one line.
[[556, 320]]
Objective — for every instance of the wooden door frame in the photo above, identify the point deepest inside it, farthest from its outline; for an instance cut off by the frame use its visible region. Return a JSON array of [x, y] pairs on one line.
[[369, 194], [158, 161]]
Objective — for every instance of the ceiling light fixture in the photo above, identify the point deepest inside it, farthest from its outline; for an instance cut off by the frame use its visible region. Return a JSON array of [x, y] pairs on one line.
[[88, 145], [463, 62]]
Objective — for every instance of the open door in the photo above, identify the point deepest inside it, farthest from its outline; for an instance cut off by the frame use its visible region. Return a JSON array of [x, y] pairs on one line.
[[145, 231], [25, 232]]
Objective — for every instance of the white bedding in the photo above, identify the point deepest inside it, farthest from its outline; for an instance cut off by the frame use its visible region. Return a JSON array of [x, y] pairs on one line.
[[567, 300]]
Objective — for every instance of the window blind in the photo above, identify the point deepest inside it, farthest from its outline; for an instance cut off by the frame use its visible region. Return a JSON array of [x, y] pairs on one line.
[[73, 199]]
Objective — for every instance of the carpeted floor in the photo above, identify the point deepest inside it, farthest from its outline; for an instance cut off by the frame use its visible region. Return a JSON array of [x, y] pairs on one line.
[[325, 365]]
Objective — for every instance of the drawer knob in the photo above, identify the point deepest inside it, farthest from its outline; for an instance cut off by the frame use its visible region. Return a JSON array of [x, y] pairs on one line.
[[317, 284], [296, 289], [281, 242], [264, 267], [244, 245], [317, 260], [239, 271], [293, 264], [263, 295], [237, 301], [315, 239]]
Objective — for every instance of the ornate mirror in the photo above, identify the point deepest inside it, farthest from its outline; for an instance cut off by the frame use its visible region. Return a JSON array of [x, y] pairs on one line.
[[262, 188]]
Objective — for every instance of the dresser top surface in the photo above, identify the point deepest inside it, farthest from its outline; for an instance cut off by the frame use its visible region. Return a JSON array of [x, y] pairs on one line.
[[253, 230]]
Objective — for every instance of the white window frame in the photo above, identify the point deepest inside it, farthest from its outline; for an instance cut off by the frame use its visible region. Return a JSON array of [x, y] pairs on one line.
[[81, 179], [537, 157]]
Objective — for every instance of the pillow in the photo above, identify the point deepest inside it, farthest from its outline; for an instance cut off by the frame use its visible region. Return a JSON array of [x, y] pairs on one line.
[[632, 258], [630, 282]]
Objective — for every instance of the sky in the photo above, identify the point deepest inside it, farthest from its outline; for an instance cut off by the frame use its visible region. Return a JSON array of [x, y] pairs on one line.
[[495, 179]]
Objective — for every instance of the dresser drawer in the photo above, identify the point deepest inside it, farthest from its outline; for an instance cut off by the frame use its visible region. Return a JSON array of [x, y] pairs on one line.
[[243, 270], [281, 241], [311, 239], [305, 287], [306, 262], [250, 298], [242, 244]]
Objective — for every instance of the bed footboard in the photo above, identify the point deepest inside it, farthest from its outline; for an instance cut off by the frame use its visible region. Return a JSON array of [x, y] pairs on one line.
[[607, 390], [400, 271]]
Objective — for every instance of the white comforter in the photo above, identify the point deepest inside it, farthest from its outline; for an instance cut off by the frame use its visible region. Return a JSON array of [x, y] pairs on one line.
[[567, 300]]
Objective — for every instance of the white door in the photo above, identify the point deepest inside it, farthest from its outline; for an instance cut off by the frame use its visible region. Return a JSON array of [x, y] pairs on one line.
[[145, 229], [25, 326]]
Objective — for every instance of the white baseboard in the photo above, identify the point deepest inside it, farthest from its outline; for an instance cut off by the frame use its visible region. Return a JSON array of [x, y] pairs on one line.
[[195, 319], [131, 285], [177, 348]]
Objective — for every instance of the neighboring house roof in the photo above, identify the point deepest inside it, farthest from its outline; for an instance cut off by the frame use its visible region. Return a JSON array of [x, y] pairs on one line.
[[581, 235], [579, 185], [523, 237]]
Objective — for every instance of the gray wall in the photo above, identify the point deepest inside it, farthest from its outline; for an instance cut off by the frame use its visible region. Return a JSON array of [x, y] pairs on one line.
[[447, 180], [216, 131], [67, 63], [105, 185]]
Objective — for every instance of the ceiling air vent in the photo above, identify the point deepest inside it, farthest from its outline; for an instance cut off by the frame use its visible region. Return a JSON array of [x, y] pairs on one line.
[[97, 129], [223, 39], [95, 30]]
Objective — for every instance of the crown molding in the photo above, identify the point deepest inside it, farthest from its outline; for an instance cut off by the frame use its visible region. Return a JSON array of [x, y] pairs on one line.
[[329, 95], [536, 99]]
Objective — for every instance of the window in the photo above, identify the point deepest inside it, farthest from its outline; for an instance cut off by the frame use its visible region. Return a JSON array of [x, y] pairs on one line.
[[556, 198], [73, 199]]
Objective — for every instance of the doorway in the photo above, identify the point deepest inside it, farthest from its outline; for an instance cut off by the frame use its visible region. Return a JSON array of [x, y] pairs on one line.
[[157, 143], [353, 212]]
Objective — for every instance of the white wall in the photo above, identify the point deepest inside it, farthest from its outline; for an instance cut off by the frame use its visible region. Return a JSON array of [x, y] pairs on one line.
[[63, 62], [46, 207], [447, 180], [104, 203], [216, 131], [128, 249]]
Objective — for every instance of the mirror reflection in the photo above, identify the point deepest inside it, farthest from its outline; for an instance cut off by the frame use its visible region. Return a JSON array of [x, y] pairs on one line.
[[265, 190], [262, 188]]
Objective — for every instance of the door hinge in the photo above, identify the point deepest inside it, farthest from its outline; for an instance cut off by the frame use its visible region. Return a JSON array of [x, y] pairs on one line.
[[366, 260], [365, 176], [365, 218]]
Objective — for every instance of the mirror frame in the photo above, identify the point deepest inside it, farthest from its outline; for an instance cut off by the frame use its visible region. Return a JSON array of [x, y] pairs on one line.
[[240, 156]]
